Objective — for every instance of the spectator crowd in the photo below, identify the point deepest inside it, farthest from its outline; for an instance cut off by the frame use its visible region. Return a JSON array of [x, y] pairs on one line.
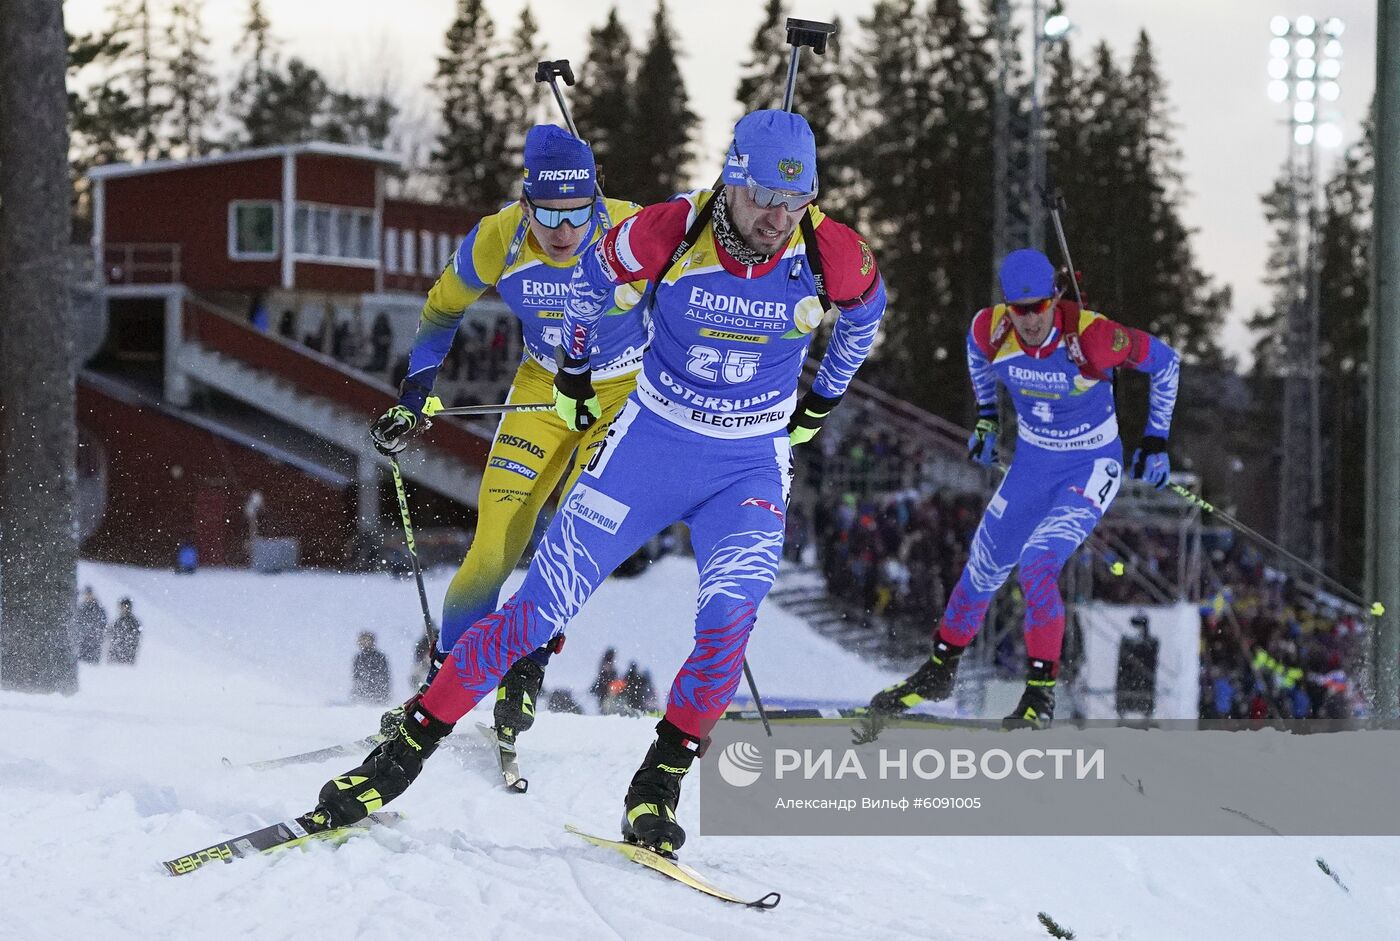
[[1269, 648]]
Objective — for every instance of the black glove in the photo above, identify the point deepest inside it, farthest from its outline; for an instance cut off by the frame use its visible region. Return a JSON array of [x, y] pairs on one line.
[[391, 430], [807, 419], [574, 399]]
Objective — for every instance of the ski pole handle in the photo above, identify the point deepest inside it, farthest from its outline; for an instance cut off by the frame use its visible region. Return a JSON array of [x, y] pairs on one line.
[[548, 72], [803, 33]]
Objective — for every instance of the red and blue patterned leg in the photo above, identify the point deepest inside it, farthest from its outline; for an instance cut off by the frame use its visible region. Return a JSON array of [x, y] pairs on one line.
[[738, 539]]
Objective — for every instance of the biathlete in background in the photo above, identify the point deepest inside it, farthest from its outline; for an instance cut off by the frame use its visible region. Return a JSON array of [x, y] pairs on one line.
[[705, 438], [1056, 360], [527, 252]]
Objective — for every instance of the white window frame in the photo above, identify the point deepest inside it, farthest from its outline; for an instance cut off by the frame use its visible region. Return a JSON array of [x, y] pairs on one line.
[[391, 250], [233, 251], [410, 252], [333, 253], [444, 250], [425, 254]]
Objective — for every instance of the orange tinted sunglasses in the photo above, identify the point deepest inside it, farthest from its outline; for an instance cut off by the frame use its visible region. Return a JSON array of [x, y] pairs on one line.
[[1032, 307]]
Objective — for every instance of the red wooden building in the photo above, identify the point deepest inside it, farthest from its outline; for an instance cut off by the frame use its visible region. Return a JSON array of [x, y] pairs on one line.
[[254, 306]]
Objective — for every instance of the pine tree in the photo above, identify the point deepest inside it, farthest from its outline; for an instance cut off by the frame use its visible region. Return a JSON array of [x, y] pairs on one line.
[[662, 125], [922, 164], [892, 104], [133, 26], [603, 106], [472, 141], [190, 85], [362, 120], [1179, 302], [820, 98], [962, 79], [287, 108], [103, 121], [258, 47], [1269, 324], [763, 80], [519, 97]]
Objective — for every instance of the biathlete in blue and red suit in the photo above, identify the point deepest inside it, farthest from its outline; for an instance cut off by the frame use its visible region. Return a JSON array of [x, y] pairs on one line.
[[739, 280], [1056, 360]]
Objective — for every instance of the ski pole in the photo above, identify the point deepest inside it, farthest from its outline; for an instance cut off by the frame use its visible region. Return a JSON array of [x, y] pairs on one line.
[[803, 33], [1375, 608], [434, 407], [412, 551], [1054, 201], [757, 701], [548, 72]]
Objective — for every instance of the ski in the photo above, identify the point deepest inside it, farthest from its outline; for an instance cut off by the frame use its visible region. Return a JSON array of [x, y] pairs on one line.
[[505, 754], [674, 869], [278, 836], [348, 750]]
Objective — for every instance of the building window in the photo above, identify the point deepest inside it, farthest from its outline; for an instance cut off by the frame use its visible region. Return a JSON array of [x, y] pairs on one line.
[[253, 230], [334, 233], [410, 253], [391, 251], [364, 236], [426, 240]]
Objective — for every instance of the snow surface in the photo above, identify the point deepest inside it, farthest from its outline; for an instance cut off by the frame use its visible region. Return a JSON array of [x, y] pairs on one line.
[[102, 785]]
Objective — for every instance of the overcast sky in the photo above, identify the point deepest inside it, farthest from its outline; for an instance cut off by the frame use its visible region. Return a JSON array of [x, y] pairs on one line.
[[1213, 54]]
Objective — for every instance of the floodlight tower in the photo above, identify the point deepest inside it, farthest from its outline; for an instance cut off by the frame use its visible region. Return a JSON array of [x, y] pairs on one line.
[[1044, 33], [1304, 65]]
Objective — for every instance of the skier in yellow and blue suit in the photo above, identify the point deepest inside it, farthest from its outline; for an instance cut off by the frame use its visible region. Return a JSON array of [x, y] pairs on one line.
[[527, 252]]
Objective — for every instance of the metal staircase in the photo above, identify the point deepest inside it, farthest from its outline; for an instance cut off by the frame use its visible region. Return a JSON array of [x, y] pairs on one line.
[[340, 426]]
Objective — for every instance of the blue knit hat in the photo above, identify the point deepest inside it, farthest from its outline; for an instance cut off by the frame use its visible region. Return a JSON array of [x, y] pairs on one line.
[[1027, 275], [774, 148], [557, 164]]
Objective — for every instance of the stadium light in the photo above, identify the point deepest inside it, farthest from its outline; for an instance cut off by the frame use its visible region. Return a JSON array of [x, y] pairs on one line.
[[1306, 68], [1305, 48], [1278, 68], [1333, 49], [1057, 26], [1280, 26], [1278, 92], [1329, 91], [1305, 25], [1303, 135], [1279, 47], [1334, 26], [1306, 91], [1304, 112], [1329, 135], [1330, 68]]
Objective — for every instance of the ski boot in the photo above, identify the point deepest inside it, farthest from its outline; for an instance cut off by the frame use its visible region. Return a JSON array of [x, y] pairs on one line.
[[649, 810], [934, 680], [1036, 710], [386, 772], [390, 721], [515, 700]]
